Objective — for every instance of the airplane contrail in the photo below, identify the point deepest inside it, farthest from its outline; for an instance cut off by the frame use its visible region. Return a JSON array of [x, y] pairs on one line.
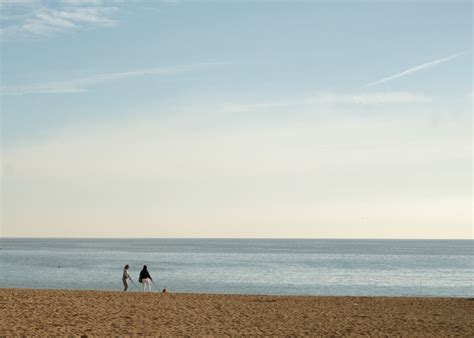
[[81, 84], [414, 69]]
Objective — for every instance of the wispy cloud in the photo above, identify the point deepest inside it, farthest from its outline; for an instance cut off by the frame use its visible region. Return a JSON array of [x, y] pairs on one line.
[[249, 107], [369, 98], [414, 69], [15, 2], [327, 98], [82, 84]]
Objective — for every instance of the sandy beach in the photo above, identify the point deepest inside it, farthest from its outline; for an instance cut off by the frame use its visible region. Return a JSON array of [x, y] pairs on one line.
[[98, 313]]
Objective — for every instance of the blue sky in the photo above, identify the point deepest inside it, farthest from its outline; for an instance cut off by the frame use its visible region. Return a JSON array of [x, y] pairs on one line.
[[191, 105]]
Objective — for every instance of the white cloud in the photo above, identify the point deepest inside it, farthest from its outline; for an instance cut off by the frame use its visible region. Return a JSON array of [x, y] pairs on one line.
[[16, 2], [81, 84], [46, 21], [54, 20], [249, 107], [176, 148], [330, 98], [369, 98], [39, 18], [81, 2], [414, 69]]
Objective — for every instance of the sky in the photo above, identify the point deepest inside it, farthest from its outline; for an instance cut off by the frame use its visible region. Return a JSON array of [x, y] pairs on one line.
[[274, 119]]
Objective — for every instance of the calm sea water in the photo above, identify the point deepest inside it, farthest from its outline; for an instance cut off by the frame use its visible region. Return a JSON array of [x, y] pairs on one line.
[[248, 266]]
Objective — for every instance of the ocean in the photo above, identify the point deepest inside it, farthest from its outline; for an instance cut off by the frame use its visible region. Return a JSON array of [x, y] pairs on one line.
[[246, 266]]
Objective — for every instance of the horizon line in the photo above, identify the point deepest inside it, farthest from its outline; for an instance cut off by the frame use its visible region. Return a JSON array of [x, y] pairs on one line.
[[266, 238]]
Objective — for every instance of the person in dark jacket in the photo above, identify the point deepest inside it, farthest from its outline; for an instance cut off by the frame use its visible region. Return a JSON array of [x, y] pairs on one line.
[[145, 278]]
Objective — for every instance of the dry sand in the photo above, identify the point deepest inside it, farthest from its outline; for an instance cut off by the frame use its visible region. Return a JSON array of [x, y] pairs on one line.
[[99, 313]]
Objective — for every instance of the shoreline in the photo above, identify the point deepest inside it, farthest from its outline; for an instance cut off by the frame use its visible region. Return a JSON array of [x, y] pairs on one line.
[[98, 313], [135, 291]]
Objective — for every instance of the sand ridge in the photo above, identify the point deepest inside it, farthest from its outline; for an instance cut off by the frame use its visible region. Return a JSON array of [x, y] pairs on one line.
[[99, 313]]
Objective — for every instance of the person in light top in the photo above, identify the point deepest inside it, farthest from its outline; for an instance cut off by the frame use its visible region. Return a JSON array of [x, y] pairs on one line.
[[125, 277]]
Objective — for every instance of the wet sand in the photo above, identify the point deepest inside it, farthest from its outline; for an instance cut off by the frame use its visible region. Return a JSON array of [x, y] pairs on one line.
[[99, 313]]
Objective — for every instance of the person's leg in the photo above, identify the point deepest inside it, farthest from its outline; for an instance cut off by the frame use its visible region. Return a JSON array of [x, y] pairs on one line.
[[143, 284], [148, 284], [125, 284]]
